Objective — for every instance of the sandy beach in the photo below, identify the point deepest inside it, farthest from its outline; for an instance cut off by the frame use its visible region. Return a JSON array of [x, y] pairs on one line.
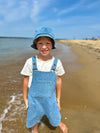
[[80, 100], [83, 88], [88, 77]]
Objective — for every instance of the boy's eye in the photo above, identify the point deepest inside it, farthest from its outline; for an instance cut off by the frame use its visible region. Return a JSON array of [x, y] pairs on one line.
[[40, 43], [48, 43]]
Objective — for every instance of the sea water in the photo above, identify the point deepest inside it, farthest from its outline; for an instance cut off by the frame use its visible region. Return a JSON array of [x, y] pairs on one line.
[[12, 48]]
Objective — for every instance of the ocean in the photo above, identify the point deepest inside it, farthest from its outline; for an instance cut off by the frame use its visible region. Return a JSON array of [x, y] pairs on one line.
[[12, 48]]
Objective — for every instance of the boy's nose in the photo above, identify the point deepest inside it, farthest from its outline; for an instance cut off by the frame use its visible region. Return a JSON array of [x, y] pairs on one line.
[[44, 46]]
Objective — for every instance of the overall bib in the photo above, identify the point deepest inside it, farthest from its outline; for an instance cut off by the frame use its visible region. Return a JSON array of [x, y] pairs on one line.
[[42, 96]]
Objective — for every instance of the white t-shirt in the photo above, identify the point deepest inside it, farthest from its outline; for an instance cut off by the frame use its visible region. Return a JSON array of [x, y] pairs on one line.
[[41, 66]]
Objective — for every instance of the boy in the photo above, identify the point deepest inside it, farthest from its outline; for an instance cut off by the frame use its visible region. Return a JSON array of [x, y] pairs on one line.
[[42, 74]]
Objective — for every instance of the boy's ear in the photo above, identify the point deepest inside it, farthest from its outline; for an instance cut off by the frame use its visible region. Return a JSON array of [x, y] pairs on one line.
[[36, 45], [52, 45]]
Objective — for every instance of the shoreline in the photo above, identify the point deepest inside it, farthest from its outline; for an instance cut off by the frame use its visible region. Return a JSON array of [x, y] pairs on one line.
[[86, 78], [90, 46]]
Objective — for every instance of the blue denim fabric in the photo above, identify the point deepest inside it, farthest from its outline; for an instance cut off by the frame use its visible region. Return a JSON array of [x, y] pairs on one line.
[[42, 96]]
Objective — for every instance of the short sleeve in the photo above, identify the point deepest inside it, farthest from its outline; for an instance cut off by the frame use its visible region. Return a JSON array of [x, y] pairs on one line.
[[60, 69], [27, 69]]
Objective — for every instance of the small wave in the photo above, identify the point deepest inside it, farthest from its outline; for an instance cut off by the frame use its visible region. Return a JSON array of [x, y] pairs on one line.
[[6, 111], [12, 100]]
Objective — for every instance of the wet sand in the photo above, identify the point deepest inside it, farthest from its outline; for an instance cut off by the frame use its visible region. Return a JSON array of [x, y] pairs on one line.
[[88, 77], [80, 92]]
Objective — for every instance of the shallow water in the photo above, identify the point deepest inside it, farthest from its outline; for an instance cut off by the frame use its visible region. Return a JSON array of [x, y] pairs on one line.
[[13, 48], [78, 118]]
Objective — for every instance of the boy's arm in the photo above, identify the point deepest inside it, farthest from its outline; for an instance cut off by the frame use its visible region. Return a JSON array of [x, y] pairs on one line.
[[25, 90], [58, 90]]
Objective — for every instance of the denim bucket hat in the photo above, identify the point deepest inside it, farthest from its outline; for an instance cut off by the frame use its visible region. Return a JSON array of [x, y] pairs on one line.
[[43, 31]]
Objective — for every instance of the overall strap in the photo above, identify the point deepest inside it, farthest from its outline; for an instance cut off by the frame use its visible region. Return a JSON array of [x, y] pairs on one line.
[[34, 64], [54, 64]]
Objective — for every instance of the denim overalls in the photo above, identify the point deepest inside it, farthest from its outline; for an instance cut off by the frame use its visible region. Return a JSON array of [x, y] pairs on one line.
[[42, 96]]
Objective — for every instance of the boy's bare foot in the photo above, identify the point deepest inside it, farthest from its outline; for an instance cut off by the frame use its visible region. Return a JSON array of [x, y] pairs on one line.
[[35, 128], [34, 132], [63, 127]]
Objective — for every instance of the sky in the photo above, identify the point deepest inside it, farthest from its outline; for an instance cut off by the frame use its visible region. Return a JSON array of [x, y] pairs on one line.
[[69, 19]]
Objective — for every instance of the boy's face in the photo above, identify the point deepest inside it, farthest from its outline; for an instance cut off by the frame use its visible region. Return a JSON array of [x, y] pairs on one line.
[[44, 46]]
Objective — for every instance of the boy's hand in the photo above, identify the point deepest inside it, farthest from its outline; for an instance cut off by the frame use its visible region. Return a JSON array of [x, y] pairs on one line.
[[25, 90], [58, 104], [26, 103]]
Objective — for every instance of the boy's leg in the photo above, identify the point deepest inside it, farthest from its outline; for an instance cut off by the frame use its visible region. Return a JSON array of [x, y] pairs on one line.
[[35, 128], [63, 127]]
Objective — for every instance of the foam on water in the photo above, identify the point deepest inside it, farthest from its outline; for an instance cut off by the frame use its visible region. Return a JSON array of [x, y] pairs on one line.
[[13, 113], [6, 111]]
